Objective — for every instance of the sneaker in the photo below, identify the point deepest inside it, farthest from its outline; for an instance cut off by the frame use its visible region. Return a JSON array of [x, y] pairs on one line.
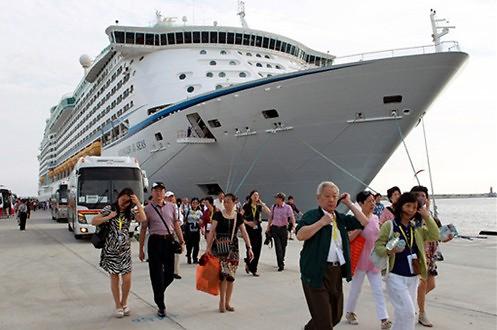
[[351, 318], [176, 276], [126, 311], [280, 269], [119, 313], [386, 324], [423, 320], [161, 313]]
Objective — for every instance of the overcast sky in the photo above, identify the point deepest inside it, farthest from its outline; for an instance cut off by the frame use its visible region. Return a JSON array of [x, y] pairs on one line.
[[42, 42]]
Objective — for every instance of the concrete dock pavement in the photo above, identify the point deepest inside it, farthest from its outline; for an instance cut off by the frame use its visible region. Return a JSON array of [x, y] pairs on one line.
[[49, 280]]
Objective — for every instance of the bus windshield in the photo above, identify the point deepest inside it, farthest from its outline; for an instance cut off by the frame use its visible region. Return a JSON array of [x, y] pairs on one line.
[[62, 193], [100, 186]]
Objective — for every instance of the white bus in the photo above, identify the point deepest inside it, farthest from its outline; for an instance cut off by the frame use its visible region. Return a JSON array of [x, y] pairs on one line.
[[58, 202], [94, 183]]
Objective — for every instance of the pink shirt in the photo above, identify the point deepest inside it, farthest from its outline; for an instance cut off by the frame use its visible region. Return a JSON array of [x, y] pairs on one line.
[[155, 223], [370, 233], [281, 215], [386, 215]]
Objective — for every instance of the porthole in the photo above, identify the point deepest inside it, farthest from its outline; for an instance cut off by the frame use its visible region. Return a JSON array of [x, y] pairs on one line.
[[222, 74], [269, 66], [223, 52], [257, 55], [232, 62], [203, 52], [249, 54], [190, 89], [212, 63], [209, 74], [269, 75], [406, 112], [219, 86], [182, 76], [259, 65], [242, 74], [239, 52], [250, 63], [278, 67], [267, 56]]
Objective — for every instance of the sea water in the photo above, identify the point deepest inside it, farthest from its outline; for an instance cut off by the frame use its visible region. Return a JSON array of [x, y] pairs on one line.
[[469, 215]]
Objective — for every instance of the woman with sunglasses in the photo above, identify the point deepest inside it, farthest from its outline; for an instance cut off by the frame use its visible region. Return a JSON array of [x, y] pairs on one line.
[[115, 257]]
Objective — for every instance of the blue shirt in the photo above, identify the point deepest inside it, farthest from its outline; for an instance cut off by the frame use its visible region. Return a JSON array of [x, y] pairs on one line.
[[401, 266]]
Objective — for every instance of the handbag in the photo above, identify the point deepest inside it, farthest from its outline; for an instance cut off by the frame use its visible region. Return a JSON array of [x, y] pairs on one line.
[[224, 245], [356, 247], [382, 263], [175, 246], [98, 239], [207, 274]]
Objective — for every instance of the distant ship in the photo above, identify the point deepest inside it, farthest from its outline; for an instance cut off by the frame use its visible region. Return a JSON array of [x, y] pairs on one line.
[[212, 108]]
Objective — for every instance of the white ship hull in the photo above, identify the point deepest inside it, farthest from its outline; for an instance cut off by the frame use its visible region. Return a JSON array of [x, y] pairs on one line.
[[321, 110]]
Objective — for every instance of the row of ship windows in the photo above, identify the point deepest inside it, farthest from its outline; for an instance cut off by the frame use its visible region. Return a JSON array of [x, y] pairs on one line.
[[221, 74], [225, 52], [99, 92], [86, 139], [215, 37], [114, 103], [101, 102]]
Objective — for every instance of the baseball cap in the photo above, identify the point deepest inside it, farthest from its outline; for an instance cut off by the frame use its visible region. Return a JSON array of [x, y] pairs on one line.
[[280, 195], [169, 194], [158, 185]]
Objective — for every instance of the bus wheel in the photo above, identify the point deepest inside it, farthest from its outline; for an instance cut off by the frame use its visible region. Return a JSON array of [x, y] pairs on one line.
[[78, 236]]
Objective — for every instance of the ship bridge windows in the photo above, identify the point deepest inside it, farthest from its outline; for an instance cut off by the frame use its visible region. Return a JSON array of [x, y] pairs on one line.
[[213, 37], [246, 39], [140, 38], [265, 42], [222, 37], [179, 38], [196, 37], [170, 39], [149, 39], [231, 38], [119, 37], [205, 37], [238, 39], [163, 39], [188, 38], [130, 38]]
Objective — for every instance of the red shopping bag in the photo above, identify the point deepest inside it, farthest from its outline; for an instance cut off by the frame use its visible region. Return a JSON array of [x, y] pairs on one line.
[[356, 247], [207, 274]]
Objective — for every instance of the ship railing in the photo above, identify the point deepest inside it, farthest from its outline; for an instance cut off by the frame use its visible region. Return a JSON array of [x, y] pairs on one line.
[[445, 46]]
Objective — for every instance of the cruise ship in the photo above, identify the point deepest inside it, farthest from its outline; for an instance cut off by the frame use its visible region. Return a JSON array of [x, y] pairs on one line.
[[213, 108]]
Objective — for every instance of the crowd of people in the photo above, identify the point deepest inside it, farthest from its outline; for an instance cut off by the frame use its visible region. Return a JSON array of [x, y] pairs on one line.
[[171, 227]]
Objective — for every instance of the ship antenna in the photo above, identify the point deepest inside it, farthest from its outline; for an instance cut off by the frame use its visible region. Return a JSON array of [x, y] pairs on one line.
[[241, 13], [435, 27]]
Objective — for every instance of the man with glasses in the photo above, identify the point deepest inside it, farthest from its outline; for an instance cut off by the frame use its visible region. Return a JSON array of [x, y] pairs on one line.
[[162, 222]]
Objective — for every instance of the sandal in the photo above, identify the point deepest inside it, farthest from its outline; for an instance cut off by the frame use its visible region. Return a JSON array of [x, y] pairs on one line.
[[423, 320], [230, 309], [126, 310], [119, 313], [386, 324], [351, 318]]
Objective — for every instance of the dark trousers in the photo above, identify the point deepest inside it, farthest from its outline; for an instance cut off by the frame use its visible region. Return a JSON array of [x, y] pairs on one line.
[[325, 303], [255, 236], [161, 267], [192, 245], [280, 237], [22, 221]]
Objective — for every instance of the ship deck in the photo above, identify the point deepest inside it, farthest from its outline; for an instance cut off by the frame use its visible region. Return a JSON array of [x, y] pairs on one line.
[[49, 280]]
